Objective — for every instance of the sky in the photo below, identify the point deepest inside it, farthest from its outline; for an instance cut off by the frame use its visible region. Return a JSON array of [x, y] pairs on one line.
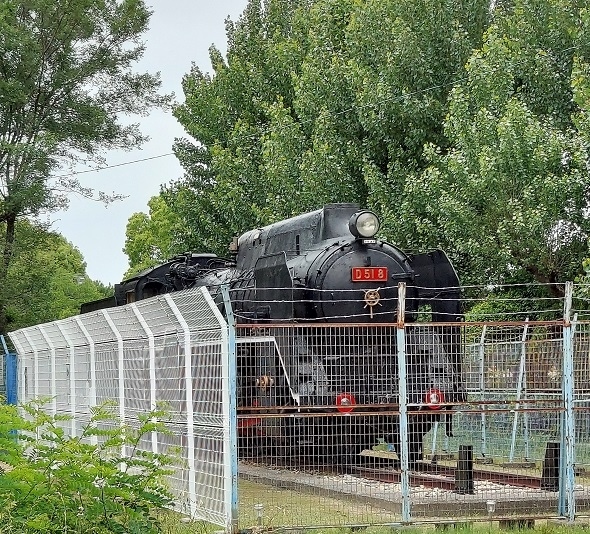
[[181, 32]]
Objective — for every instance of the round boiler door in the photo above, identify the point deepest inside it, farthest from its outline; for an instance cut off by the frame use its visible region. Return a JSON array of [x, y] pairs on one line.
[[360, 287]]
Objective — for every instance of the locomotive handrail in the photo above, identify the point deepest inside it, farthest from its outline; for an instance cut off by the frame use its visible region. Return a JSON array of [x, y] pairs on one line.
[[272, 339]]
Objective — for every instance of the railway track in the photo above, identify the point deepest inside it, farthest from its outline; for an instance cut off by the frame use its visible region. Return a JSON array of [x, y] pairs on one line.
[[443, 477], [422, 474]]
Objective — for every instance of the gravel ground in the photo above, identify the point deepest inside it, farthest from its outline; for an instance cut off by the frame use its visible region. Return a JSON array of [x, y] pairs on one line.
[[425, 501]]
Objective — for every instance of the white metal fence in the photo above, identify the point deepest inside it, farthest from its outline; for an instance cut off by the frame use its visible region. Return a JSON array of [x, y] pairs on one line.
[[172, 349], [293, 401]]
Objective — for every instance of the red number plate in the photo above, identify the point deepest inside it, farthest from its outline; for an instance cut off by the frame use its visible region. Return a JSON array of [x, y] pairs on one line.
[[369, 274]]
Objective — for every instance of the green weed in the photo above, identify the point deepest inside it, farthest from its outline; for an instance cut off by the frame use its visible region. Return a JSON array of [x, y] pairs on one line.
[[53, 483]]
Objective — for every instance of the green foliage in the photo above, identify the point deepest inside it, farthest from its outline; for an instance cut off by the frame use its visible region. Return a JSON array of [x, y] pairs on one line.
[[465, 129], [151, 239], [318, 101], [507, 198], [581, 94], [581, 75], [404, 59], [510, 303], [67, 76], [231, 116], [46, 279], [54, 483]]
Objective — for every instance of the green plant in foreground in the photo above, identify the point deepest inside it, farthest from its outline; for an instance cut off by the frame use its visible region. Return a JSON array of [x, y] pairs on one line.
[[51, 482]]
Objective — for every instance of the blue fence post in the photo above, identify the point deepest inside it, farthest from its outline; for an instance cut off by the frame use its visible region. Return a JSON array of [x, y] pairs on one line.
[[403, 404], [11, 374], [520, 387], [482, 391], [11, 379], [567, 504]]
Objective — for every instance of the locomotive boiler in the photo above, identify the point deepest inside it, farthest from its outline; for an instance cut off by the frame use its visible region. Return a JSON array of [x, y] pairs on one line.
[[325, 289]]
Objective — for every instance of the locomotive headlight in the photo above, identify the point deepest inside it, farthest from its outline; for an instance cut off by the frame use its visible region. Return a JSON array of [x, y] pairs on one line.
[[364, 224]]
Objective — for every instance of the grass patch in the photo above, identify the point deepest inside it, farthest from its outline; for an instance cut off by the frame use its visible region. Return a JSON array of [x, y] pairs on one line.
[[303, 508], [173, 525]]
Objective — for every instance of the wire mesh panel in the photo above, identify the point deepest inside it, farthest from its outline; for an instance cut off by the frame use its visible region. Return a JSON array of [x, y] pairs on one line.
[[581, 408], [429, 419], [322, 430], [171, 349], [311, 399], [510, 418]]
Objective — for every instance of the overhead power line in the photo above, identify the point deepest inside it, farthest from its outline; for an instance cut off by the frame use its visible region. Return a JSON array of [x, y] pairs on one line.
[[115, 165], [357, 107]]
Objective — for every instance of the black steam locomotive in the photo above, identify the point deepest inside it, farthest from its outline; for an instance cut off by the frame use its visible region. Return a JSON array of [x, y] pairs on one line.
[[323, 287]]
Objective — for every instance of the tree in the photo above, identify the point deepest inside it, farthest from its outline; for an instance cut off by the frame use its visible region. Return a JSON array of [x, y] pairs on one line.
[[46, 279], [508, 197], [65, 77], [581, 93], [581, 77], [406, 58], [319, 101], [227, 114], [153, 238]]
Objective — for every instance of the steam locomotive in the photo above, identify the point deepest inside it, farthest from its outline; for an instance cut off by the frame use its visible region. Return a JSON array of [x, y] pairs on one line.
[[323, 287]]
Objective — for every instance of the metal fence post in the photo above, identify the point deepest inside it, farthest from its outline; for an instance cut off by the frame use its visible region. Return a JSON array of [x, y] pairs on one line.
[[35, 368], [403, 403], [232, 415], [482, 392], [91, 371], [190, 416], [11, 378], [567, 505], [71, 378], [11, 370], [152, 364], [53, 371], [22, 370], [121, 375], [11, 374], [520, 387]]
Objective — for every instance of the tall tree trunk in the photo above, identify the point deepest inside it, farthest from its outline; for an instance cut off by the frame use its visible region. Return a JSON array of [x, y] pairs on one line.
[[4, 264], [551, 278]]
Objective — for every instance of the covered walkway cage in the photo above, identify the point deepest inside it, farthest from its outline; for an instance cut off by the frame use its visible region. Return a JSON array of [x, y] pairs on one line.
[[519, 444]]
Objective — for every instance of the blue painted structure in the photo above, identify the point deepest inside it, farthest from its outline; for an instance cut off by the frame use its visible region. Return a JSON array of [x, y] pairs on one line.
[[10, 374]]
